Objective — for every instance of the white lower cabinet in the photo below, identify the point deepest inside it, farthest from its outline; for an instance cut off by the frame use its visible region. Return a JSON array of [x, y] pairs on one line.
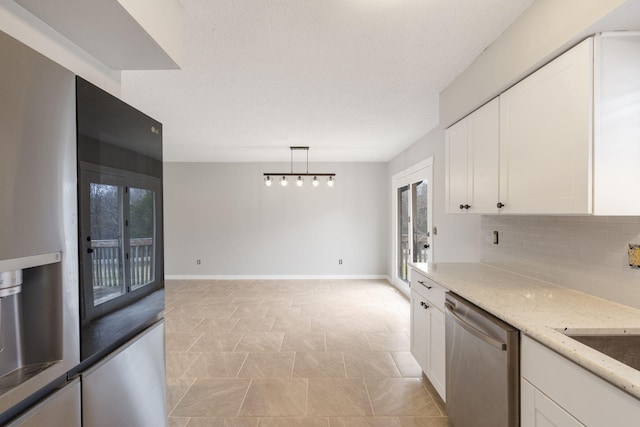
[[419, 327], [428, 329], [436, 355], [558, 392], [537, 410]]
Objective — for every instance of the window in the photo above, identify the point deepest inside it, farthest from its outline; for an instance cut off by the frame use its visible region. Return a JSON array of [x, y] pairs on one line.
[[120, 238]]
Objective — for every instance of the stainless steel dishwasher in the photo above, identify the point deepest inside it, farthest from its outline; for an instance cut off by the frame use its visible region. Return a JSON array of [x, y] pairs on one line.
[[483, 379]]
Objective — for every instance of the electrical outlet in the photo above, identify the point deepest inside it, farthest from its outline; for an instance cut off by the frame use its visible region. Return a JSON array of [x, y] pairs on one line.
[[634, 255], [198, 262], [340, 262]]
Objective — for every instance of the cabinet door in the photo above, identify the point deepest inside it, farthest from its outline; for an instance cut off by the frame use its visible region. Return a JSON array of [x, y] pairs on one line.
[[436, 370], [617, 124], [484, 145], [546, 138], [537, 410], [456, 178], [419, 329]]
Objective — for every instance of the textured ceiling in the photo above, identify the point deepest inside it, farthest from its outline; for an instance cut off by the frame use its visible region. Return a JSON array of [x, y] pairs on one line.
[[355, 80]]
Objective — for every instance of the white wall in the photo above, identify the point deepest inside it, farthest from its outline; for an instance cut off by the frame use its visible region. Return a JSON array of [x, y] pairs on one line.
[[23, 26], [222, 214], [458, 237]]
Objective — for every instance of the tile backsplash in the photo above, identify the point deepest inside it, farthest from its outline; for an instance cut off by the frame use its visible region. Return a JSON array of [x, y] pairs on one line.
[[588, 254]]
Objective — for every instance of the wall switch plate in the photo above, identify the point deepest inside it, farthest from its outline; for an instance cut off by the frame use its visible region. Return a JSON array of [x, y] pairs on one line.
[[634, 255], [495, 237]]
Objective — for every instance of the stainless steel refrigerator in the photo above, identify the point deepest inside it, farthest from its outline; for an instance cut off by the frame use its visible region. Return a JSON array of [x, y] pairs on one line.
[[58, 350]]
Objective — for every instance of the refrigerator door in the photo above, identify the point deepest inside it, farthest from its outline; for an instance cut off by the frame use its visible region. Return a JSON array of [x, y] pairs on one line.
[[38, 224], [61, 409], [37, 152], [128, 387]]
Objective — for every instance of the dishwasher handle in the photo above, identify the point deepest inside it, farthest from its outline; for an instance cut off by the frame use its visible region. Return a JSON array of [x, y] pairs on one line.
[[450, 309]]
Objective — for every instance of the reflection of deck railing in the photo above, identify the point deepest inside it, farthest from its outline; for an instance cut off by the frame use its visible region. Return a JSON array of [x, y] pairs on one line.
[[107, 262]]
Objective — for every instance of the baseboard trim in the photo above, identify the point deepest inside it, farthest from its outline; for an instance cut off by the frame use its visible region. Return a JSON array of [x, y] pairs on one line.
[[276, 277]]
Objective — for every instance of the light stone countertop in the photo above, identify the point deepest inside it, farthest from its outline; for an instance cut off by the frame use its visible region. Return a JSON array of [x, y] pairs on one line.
[[541, 309]]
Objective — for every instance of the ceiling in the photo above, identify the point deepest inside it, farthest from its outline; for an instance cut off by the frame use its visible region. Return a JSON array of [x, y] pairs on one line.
[[355, 80]]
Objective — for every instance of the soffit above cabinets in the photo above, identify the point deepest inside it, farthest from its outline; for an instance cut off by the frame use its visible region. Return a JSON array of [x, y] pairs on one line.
[[122, 34]]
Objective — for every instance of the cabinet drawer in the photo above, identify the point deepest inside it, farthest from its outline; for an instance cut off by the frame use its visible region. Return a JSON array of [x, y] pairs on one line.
[[429, 289]]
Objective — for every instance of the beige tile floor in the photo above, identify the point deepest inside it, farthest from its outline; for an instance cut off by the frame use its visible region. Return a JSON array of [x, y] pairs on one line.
[[325, 353]]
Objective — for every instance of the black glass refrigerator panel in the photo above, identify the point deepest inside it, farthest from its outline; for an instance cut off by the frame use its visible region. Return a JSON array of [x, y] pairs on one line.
[[120, 220]]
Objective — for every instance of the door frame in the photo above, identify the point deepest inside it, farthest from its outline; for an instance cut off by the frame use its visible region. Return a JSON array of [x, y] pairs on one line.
[[418, 172]]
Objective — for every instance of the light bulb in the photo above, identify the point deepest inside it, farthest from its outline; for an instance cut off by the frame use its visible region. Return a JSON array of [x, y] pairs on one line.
[[268, 181], [299, 181], [283, 181], [330, 181], [315, 181]]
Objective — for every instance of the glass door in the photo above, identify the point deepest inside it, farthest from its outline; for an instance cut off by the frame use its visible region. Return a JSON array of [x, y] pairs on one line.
[[421, 232], [412, 194], [404, 219]]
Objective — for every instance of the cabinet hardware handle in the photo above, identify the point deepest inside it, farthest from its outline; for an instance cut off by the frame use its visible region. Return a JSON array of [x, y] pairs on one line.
[[426, 306], [467, 206], [423, 284], [461, 206], [500, 205], [426, 286], [90, 250]]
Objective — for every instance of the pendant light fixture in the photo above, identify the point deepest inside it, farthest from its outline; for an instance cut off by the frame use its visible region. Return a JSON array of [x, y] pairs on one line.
[[331, 177]]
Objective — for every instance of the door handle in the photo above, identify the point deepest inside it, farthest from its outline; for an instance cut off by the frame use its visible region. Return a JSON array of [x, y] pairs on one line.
[[90, 250]]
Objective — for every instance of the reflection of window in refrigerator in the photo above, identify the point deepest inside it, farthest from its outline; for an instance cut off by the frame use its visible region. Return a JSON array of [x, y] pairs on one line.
[[106, 219], [121, 237], [141, 237]]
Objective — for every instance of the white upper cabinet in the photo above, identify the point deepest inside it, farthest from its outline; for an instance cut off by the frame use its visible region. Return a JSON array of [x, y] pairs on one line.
[[569, 138], [617, 124], [545, 138], [456, 179], [472, 154]]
